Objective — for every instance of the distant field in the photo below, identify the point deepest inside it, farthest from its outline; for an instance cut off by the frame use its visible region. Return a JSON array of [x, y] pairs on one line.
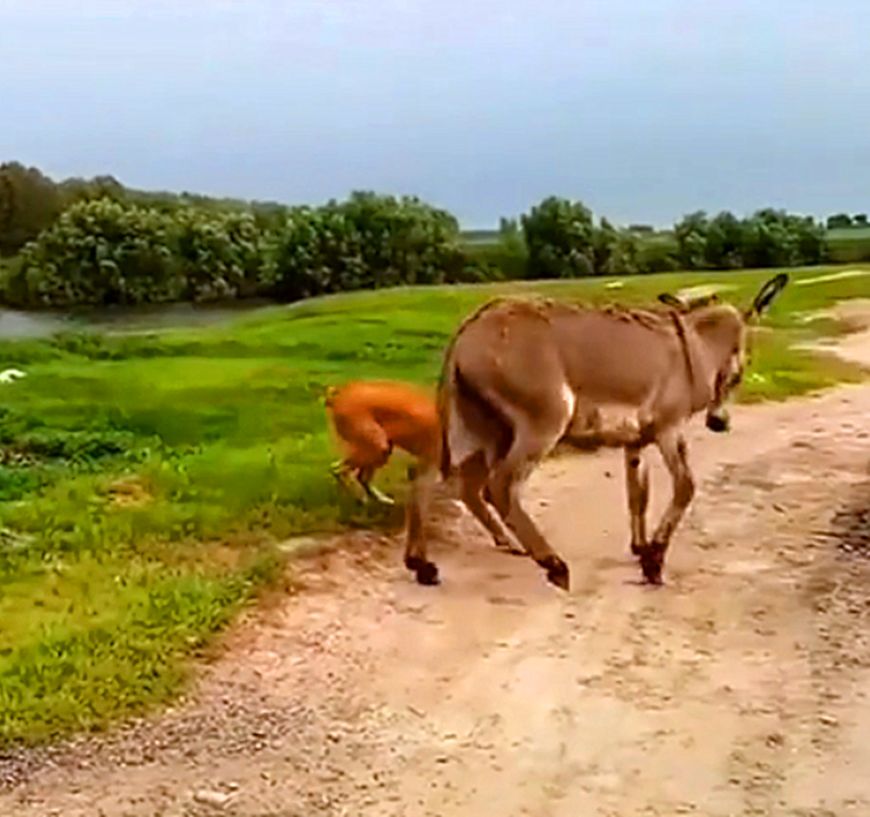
[[144, 478], [846, 246], [479, 236], [849, 245]]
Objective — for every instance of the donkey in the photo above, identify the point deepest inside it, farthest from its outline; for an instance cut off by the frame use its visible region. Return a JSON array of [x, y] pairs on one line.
[[521, 376], [370, 418]]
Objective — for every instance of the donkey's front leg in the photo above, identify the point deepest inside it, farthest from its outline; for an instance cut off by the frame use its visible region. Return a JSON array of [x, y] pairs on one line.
[[674, 452], [637, 485]]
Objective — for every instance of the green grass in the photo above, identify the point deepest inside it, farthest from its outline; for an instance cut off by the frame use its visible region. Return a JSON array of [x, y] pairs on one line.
[[223, 431]]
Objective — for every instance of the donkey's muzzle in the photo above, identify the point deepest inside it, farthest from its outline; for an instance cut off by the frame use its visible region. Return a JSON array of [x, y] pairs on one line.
[[718, 421]]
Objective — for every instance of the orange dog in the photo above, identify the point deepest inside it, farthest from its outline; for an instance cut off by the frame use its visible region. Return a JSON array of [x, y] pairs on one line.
[[371, 417]]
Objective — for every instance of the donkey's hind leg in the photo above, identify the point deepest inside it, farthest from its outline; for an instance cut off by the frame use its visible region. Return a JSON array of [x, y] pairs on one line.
[[529, 447], [416, 557], [473, 475]]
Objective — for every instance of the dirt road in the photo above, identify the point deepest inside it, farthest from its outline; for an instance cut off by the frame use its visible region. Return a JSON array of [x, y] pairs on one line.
[[739, 688]]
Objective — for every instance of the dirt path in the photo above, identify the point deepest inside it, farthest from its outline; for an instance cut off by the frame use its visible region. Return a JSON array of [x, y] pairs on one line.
[[739, 688]]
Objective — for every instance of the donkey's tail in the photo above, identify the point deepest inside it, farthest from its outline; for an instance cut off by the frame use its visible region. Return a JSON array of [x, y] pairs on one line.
[[468, 420]]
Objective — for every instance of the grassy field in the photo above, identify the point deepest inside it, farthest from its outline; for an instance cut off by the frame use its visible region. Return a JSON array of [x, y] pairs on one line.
[[847, 246], [144, 478]]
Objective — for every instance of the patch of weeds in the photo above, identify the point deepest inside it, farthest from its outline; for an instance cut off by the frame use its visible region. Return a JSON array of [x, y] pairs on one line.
[[107, 650]]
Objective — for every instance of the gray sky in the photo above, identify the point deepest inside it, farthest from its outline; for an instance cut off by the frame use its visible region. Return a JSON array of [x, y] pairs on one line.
[[644, 109]]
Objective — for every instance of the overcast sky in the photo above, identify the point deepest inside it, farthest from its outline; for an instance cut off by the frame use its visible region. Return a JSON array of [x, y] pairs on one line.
[[644, 109]]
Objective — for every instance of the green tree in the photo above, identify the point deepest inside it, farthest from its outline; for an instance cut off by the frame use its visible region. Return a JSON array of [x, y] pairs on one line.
[[510, 236], [29, 202], [559, 236], [691, 236], [724, 237], [811, 239], [657, 254], [624, 258], [839, 221], [770, 240], [100, 187], [614, 252]]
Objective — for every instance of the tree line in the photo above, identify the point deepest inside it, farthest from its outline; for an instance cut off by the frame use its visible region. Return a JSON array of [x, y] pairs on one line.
[[842, 221], [97, 242]]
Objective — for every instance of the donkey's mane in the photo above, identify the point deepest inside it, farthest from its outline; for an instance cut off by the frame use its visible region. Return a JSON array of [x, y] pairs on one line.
[[653, 317], [649, 318]]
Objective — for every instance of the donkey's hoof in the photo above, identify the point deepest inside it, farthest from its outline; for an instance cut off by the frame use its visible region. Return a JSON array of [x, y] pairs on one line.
[[557, 571], [414, 563], [636, 550], [427, 574], [651, 559]]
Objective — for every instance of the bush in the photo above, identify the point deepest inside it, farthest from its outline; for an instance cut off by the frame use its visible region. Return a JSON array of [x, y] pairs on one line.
[[768, 238], [100, 252], [368, 241], [497, 262], [219, 255], [615, 252], [657, 255], [774, 238], [106, 252]]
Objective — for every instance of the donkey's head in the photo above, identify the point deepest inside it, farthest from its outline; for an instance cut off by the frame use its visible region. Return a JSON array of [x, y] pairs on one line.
[[722, 329]]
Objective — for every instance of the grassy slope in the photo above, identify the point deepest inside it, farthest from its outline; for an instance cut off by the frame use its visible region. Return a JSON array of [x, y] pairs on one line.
[[224, 431]]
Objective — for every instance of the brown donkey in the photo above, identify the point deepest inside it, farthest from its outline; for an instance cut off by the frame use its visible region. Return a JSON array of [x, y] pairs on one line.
[[521, 376]]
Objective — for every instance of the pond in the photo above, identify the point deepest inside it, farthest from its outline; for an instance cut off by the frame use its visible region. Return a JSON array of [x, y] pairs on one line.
[[16, 324]]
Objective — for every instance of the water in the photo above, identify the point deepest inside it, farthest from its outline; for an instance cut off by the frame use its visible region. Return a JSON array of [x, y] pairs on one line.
[[15, 324]]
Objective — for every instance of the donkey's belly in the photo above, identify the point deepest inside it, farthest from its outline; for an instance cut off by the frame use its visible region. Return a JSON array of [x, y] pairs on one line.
[[611, 425]]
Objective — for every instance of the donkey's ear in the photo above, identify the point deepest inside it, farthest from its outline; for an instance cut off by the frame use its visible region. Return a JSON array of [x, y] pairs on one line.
[[672, 301], [767, 294]]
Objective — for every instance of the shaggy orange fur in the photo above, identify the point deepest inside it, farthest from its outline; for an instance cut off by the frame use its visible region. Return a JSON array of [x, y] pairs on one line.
[[370, 418]]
